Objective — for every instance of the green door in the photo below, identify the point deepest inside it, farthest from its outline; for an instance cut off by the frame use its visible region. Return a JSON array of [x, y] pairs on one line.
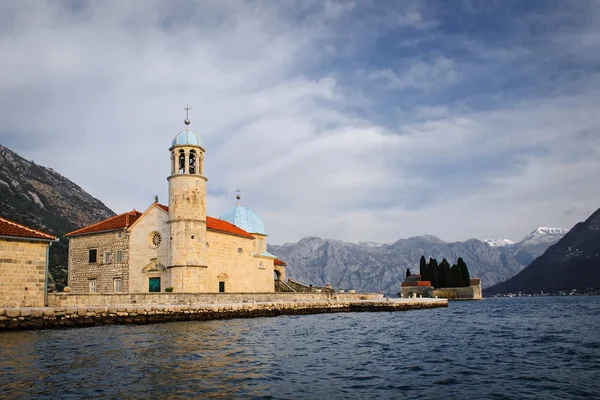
[[154, 284], [221, 287]]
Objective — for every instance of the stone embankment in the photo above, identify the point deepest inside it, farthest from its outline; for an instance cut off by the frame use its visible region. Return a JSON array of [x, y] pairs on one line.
[[85, 316]]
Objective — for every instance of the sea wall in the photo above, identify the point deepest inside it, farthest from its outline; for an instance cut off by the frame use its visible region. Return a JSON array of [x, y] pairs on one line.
[[86, 316], [108, 299]]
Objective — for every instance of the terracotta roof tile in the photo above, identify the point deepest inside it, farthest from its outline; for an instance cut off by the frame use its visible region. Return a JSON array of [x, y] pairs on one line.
[[227, 227], [166, 208], [11, 228], [279, 262], [120, 221]]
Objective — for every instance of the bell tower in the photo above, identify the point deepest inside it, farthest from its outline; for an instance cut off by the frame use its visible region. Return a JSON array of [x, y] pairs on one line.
[[187, 211]]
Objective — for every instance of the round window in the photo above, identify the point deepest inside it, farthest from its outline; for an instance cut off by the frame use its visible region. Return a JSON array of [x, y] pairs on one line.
[[155, 239], [240, 250]]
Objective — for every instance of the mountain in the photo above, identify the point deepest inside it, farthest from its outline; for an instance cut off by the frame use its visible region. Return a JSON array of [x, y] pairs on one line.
[[374, 267], [499, 242], [572, 263], [43, 199]]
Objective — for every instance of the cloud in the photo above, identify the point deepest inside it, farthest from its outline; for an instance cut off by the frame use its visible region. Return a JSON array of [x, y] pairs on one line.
[[319, 111]]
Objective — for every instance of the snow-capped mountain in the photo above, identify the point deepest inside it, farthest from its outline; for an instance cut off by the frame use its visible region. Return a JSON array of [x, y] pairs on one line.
[[543, 235], [572, 263], [499, 242], [367, 243]]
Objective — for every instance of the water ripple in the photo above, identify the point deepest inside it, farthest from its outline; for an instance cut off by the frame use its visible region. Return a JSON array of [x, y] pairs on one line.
[[498, 348]]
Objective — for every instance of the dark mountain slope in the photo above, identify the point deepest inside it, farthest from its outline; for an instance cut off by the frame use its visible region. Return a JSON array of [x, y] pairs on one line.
[[41, 198], [572, 263]]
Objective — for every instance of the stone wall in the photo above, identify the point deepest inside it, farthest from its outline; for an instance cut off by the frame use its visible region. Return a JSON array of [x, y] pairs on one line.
[[231, 260], [105, 299], [459, 293], [81, 271], [65, 317], [22, 273]]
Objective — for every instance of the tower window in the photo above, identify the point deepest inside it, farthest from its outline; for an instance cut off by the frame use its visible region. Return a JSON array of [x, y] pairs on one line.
[[181, 162], [192, 162]]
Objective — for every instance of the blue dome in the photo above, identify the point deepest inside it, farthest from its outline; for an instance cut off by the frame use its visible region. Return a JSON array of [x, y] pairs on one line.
[[244, 218], [186, 137]]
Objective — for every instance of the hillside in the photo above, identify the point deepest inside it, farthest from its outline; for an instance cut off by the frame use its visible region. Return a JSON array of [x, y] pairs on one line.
[[572, 263], [374, 267], [39, 197]]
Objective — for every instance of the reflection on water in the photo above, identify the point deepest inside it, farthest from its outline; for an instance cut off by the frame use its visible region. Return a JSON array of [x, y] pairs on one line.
[[497, 348]]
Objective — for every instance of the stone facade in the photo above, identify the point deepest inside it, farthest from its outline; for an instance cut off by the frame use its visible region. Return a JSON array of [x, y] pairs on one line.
[[22, 272], [147, 259], [234, 261], [103, 272]]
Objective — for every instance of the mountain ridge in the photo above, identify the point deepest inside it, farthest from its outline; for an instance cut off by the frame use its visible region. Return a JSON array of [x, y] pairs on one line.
[[364, 267]]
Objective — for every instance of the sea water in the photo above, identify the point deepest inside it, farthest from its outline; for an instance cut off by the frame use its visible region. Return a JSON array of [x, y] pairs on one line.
[[509, 348]]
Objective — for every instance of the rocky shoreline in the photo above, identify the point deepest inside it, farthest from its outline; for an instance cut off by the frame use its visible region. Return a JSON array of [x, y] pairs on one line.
[[87, 316]]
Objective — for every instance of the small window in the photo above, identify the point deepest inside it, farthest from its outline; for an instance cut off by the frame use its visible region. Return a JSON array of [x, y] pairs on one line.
[[107, 257], [119, 235], [261, 265], [240, 250], [118, 255], [118, 282], [92, 286], [92, 255], [221, 287]]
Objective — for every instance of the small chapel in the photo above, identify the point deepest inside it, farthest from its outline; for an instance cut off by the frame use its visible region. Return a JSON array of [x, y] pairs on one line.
[[175, 247]]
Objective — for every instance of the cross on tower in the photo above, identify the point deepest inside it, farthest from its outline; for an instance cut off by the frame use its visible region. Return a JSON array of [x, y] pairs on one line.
[[187, 111]]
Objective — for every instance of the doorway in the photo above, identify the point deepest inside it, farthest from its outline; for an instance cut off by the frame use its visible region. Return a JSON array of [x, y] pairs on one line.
[[221, 287], [154, 285]]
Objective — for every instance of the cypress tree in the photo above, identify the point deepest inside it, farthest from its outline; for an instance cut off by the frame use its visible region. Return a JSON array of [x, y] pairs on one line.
[[408, 272], [444, 276], [456, 279], [464, 271], [422, 266], [433, 273]]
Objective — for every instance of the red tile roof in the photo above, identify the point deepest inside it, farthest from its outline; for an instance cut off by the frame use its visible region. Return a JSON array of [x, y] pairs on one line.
[[127, 219], [165, 208], [223, 226], [117, 222], [416, 283], [11, 228], [279, 262]]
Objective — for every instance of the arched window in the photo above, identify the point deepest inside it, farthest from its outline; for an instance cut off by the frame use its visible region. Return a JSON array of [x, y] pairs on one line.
[[181, 162], [192, 162]]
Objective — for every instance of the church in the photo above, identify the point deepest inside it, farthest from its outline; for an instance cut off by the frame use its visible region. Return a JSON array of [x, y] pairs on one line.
[[177, 247]]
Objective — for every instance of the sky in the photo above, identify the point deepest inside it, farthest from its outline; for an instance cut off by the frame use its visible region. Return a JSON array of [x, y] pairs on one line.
[[353, 120]]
